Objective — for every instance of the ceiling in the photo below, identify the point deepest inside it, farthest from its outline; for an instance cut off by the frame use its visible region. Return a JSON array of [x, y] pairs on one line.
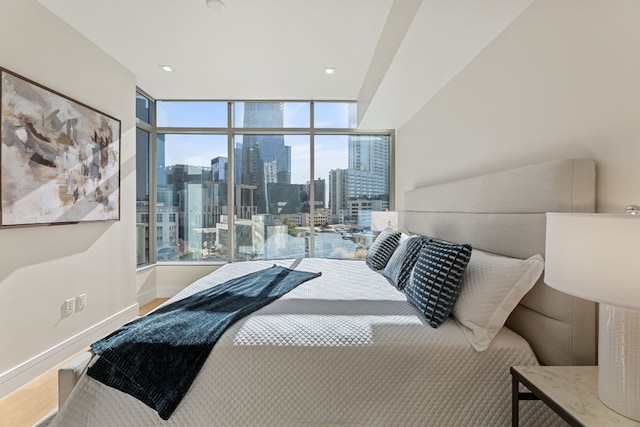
[[392, 56], [254, 49]]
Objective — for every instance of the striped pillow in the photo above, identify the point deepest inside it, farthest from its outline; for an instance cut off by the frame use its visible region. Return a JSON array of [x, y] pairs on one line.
[[398, 269], [382, 248], [436, 278]]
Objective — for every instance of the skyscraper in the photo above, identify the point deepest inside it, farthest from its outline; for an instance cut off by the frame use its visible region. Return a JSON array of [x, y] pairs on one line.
[[367, 176], [265, 158], [219, 169], [338, 186], [368, 166], [319, 190]]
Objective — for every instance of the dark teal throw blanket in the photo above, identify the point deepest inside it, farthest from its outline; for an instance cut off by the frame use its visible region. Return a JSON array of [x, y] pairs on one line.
[[156, 358]]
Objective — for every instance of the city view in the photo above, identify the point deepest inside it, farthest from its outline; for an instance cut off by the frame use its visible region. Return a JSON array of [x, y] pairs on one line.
[[278, 211]]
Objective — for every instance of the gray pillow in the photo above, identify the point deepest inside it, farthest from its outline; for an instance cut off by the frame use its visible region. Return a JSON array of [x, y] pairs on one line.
[[398, 269]]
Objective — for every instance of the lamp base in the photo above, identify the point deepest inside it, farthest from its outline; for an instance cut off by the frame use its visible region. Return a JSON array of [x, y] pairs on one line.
[[619, 360]]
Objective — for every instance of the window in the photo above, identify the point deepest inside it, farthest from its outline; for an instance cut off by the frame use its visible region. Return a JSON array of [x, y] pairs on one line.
[[357, 167], [143, 146], [264, 183], [272, 114], [191, 114], [335, 115], [272, 194], [191, 187], [143, 108]]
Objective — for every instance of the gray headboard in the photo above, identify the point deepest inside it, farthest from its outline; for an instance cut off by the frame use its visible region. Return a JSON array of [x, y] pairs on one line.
[[504, 213]]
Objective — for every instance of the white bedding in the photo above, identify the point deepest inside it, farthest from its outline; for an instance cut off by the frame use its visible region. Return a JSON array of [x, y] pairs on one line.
[[343, 349]]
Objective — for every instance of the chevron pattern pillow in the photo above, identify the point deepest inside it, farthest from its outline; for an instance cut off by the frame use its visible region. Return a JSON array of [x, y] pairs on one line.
[[436, 278], [382, 248], [398, 269]]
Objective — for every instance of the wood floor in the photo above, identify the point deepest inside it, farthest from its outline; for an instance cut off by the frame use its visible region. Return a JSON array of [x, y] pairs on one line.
[[29, 404]]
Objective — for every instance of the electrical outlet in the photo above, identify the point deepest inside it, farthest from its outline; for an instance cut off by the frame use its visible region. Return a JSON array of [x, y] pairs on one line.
[[69, 306], [82, 301]]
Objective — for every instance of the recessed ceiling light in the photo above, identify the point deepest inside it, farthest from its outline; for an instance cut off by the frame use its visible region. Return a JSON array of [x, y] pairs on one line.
[[166, 67], [329, 70]]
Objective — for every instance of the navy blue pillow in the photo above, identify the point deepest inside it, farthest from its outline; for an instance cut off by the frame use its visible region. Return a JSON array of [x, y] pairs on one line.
[[382, 248], [436, 278], [399, 267]]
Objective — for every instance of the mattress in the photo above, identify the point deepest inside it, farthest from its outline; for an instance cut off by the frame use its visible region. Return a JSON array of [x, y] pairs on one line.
[[345, 349]]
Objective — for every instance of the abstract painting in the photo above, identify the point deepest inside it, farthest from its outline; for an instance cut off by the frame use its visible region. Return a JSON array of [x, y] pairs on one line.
[[59, 158]]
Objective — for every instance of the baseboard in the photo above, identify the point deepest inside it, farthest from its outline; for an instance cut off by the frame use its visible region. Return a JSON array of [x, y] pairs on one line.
[[17, 377], [168, 291], [147, 297]]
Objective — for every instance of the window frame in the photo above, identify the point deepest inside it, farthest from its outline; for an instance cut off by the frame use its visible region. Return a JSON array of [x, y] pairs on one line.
[[149, 127], [231, 131]]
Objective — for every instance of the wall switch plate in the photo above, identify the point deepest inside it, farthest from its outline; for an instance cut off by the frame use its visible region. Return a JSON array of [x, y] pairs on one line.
[[69, 306], [82, 301]]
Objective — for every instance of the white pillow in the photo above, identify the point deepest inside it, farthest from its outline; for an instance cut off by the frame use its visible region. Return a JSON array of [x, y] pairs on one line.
[[492, 286]]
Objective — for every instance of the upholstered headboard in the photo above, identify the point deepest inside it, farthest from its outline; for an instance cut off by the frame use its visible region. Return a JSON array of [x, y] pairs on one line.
[[504, 213]]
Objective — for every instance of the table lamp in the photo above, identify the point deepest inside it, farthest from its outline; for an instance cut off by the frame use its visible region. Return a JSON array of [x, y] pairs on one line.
[[381, 220], [597, 257]]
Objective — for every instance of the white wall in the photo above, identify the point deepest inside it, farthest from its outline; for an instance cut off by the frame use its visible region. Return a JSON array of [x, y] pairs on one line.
[[166, 280], [41, 267], [562, 80]]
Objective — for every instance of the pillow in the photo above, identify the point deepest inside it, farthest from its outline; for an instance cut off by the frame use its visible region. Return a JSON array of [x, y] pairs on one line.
[[492, 287], [435, 280], [401, 263], [382, 248], [404, 236]]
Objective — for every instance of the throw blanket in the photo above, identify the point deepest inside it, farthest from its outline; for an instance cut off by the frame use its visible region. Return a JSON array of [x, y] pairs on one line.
[[156, 358]]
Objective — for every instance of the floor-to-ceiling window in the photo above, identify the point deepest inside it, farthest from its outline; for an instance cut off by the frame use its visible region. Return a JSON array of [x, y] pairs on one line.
[[144, 128], [243, 180]]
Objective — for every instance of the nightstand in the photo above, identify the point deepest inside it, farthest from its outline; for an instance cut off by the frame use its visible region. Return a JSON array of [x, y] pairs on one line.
[[570, 391]]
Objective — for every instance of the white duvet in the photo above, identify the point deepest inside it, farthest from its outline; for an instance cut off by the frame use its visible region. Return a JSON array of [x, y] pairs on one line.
[[343, 349]]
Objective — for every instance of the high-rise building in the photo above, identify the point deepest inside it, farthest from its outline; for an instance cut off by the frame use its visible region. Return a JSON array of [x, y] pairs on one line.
[[220, 188], [367, 176], [265, 158], [338, 186], [285, 199], [237, 167], [219, 169], [369, 166], [192, 191], [319, 196]]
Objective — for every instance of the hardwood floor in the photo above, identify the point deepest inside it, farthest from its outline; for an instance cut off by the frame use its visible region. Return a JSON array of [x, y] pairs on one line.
[[29, 404]]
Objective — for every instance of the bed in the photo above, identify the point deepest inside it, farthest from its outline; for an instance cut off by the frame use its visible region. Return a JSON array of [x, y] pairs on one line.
[[348, 348]]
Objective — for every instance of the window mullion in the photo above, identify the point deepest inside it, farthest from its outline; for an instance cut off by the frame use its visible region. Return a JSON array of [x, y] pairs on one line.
[[312, 182]]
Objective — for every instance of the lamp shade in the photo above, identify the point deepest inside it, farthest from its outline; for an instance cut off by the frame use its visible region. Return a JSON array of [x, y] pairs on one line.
[[595, 257], [381, 220]]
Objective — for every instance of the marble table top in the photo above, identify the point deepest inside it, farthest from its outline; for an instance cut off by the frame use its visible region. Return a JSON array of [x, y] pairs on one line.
[[575, 389]]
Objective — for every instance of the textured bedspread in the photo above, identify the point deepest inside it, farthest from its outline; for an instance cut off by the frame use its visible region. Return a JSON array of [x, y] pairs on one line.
[[342, 349], [156, 357]]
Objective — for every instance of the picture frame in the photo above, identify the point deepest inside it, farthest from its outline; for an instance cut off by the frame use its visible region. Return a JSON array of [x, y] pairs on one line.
[[59, 158]]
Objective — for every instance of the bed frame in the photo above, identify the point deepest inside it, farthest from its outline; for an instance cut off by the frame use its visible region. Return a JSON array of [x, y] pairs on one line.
[[504, 213]]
